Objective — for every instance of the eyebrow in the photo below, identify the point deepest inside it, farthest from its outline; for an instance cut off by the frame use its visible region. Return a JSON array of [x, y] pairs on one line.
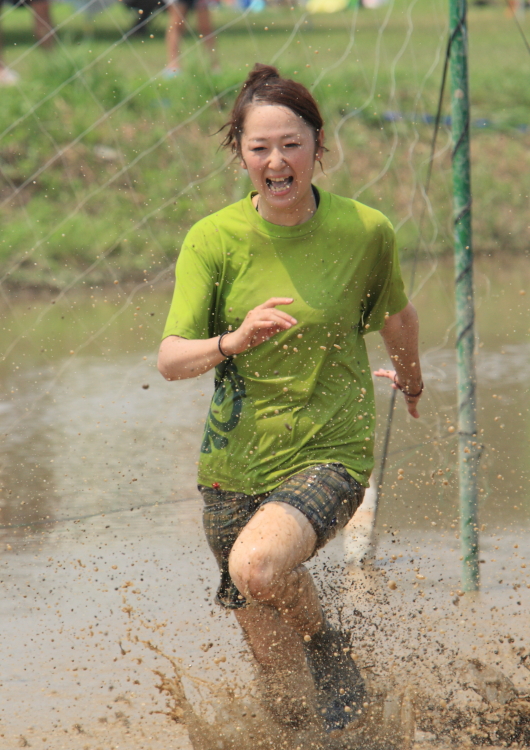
[[286, 135]]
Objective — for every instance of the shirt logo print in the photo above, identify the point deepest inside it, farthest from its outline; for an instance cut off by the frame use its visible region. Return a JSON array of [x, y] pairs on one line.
[[228, 376]]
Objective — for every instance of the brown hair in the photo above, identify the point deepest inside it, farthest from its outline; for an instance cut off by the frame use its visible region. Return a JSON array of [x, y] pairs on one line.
[[264, 85]]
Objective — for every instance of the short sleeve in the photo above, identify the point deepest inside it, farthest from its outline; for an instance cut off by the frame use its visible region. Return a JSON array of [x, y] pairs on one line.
[[198, 270], [385, 285]]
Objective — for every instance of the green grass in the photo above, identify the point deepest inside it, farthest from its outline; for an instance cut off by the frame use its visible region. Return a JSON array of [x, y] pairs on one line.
[[104, 166]]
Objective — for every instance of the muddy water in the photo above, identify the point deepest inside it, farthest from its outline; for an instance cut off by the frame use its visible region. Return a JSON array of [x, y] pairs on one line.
[[101, 541]]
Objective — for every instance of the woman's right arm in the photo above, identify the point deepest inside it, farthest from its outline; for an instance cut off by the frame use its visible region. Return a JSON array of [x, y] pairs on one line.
[[180, 358]]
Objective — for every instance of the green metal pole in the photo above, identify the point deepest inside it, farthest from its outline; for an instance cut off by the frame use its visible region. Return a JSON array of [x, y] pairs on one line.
[[468, 449]]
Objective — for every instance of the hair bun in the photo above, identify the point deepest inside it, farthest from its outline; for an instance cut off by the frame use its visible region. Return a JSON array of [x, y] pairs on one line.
[[265, 85], [259, 75]]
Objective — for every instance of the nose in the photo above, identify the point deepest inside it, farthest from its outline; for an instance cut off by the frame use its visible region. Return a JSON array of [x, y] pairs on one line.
[[276, 160]]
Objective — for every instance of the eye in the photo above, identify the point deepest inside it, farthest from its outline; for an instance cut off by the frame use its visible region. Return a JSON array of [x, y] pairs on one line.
[[257, 149], [292, 145]]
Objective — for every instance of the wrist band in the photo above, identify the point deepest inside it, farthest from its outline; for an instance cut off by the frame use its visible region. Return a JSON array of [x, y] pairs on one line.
[[410, 395], [227, 356]]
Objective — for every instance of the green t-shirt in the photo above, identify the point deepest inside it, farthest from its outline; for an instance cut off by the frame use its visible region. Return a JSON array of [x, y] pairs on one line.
[[305, 397]]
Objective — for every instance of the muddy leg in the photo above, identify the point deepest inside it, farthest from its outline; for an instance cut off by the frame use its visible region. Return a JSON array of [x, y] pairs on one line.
[[265, 564], [286, 684]]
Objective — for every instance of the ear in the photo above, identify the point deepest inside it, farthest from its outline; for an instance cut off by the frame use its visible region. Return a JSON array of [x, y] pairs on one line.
[[242, 164]]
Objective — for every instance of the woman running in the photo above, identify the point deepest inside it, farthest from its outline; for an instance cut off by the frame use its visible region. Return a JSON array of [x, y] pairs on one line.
[[276, 292]]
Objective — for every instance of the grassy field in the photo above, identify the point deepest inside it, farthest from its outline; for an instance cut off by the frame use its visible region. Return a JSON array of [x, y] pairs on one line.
[[104, 165]]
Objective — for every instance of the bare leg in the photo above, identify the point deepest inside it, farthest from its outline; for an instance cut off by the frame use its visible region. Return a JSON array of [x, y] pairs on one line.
[[177, 13], [265, 564], [43, 27], [273, 642], [204, 24]]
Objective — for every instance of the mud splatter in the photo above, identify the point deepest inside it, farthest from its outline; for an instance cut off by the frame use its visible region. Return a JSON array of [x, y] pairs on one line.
[[242, 723], [425, 687], [222, 717]]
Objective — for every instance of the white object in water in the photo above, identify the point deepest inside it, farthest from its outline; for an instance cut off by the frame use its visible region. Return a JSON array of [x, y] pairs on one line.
[[357, 534]]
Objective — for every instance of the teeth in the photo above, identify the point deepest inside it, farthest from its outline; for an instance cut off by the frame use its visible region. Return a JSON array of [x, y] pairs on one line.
[[279, 182]]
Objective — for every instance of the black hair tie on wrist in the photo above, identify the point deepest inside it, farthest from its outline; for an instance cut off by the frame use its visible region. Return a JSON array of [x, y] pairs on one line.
[[410, 395], [227, 356]]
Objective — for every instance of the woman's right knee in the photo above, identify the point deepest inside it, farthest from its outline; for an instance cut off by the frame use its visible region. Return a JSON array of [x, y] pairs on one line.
[[253, 574]]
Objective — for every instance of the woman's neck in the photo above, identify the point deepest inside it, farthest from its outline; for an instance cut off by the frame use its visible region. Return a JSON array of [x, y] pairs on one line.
[[298, 214]]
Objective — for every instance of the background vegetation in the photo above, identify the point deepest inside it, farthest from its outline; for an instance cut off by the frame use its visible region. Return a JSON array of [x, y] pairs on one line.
[[104, 165]]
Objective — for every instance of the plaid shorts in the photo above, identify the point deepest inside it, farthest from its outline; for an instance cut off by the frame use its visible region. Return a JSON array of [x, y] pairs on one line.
[[327, 496]]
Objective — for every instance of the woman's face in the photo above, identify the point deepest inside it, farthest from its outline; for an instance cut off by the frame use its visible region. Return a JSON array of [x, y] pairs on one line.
[[278, 150]]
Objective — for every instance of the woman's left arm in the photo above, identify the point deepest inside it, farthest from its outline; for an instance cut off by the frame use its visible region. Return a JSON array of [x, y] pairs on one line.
[[400, 334]]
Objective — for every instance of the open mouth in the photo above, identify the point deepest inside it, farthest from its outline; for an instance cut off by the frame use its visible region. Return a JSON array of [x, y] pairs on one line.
[[278, 186]]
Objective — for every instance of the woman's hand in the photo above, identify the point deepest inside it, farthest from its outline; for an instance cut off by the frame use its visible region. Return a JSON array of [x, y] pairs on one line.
[[260, 324], [411, 401], [181, 358], [400, 334]]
